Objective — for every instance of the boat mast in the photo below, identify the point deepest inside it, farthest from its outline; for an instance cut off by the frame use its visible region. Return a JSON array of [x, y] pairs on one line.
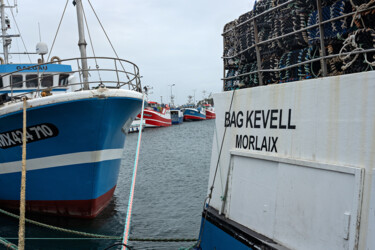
[[82, 43], [6, 41]]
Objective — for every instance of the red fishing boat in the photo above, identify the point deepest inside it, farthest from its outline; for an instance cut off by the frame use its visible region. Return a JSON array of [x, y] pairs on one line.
[[157, 115], [210, 111]]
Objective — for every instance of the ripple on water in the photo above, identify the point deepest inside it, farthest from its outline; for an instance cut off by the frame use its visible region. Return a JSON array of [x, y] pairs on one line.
[[170, 190]]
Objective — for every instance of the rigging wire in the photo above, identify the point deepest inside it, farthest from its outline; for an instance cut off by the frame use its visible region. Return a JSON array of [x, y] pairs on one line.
[[57, 31], [92, 46], [18, 30], [101, 25], [214, 178]]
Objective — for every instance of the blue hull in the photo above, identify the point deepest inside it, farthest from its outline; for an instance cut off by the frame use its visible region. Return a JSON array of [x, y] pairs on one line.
[[220, 233], [178, 120], [75, 159], [177, 116], [193, 115]]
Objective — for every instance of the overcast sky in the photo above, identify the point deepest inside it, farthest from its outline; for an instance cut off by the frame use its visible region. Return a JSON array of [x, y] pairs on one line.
[[172, 41]]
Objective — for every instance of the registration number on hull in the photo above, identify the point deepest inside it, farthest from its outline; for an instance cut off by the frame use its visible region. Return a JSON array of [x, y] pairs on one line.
[[33, 133]]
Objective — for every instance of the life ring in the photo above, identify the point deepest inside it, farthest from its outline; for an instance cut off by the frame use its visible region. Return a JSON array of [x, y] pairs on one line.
[[1, 60], [56, 58]]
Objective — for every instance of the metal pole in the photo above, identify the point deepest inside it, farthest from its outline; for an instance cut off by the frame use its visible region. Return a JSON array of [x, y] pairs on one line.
[[3, 30], [224, 65], [171, 95], [257, 51], [82, 44], [321, 31]]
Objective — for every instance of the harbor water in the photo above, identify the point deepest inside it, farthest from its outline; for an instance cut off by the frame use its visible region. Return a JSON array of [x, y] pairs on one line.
[[169, 194]]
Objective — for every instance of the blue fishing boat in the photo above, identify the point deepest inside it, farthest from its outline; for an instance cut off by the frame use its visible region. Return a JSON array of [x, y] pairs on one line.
[[74, 127], [177, 116], [192, 113]]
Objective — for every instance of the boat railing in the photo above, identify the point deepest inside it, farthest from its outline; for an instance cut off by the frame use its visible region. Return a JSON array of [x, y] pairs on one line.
[[102, 71], [253, 44]]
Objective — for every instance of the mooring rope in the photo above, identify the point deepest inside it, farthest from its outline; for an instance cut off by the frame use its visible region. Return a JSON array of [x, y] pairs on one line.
[[88, 236], [131, 194], [21, 229], [59, 228]]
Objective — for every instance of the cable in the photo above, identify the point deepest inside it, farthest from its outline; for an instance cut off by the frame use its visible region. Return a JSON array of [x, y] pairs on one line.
[[23, 42], [101, 25], [57, 31]]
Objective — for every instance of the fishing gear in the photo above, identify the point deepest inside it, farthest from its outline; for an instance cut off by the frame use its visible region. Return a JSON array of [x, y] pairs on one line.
[[289, 41]]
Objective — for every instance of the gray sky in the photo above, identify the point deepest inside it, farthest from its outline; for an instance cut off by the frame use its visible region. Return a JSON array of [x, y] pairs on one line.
[[172, 41]]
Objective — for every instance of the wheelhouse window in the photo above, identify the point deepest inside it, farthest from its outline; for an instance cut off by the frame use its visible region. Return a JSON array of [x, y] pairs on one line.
[[63, 79], [31, 81], [47, 81], [17, 81]]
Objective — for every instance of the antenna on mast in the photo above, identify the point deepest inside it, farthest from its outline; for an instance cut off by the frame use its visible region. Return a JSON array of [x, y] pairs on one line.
[[40, 36], [41, 48], [5, 25]]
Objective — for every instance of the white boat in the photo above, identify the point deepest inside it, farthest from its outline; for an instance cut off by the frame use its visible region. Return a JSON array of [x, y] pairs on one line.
[[136, 125], [74, 138], [292, 163]]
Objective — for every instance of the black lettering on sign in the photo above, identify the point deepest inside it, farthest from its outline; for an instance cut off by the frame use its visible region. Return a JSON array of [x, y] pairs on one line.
[[33, 133], [227, 119], [36, 67], [257, 143], [260, 119]]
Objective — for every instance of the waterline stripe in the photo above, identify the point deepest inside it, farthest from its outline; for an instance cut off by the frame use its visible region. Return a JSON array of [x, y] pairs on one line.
[[63, 160], [166, 122]]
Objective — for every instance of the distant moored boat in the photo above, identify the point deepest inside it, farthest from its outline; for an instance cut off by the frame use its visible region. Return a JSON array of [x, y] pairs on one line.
[[210, 111], [194, 114], [177, 116], [157, 115]]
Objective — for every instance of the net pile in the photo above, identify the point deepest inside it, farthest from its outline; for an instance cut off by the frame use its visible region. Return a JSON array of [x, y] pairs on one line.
[[288, 41]]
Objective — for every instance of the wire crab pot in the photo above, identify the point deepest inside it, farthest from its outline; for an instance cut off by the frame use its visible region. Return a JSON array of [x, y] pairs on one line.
[[291, 40]]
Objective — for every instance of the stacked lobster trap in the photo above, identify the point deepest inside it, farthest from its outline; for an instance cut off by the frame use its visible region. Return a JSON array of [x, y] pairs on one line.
[[289, 40]]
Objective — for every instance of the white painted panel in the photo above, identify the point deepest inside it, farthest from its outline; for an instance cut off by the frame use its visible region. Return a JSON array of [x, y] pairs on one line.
[[371, 227], [302, 205], [314, 207], [253, 193]]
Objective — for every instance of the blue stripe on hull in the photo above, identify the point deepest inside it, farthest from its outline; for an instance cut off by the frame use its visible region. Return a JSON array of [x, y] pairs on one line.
[[215, 238], [74, 182]]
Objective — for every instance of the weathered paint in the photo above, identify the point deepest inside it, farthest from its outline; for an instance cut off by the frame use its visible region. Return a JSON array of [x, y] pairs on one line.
[[317, 178]]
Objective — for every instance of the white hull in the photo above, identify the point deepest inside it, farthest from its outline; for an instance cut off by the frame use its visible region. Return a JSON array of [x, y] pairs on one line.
[[298, 161]]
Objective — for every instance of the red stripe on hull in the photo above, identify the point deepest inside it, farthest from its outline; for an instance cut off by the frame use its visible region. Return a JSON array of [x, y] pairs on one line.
[[155, 119], [210, 115], [154, 123], [190, 117], [72, 208]]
